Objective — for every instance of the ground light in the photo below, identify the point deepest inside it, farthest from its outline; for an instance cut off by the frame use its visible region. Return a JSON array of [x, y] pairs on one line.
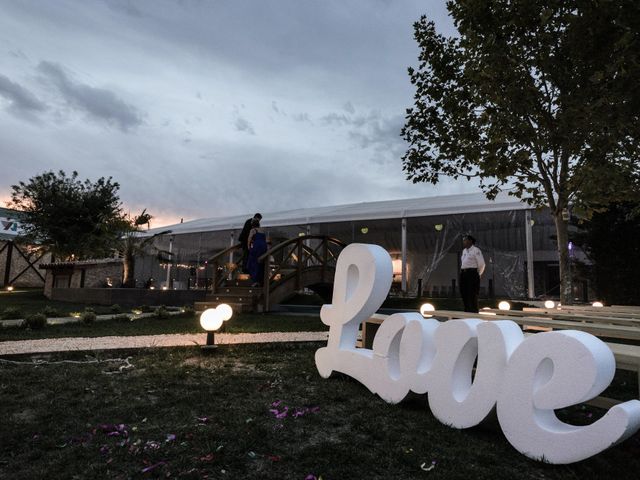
[[425, 308], [549, 304], [504, 305], [10, 288], [212, 319], [597, 304], [483, 311]]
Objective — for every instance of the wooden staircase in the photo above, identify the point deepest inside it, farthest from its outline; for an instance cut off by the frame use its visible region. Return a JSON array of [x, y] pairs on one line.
[[238, 294]]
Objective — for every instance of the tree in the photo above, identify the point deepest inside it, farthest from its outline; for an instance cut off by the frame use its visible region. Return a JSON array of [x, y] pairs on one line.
[[133, 245], [536, 98], [613, 265], [71, 218]]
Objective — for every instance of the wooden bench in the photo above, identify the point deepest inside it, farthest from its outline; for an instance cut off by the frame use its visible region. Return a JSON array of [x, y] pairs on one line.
[[562, 315]]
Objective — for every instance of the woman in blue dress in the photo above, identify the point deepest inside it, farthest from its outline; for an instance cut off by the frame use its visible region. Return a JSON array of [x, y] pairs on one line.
[[257, 247]]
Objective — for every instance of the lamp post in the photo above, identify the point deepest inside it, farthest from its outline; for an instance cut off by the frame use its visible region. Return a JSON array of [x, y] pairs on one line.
[[211, 320]]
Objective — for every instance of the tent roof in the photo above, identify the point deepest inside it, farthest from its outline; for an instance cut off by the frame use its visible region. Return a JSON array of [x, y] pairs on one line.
[[389, 209]]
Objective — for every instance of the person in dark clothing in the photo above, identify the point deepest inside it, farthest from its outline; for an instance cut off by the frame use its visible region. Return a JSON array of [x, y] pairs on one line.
[[257, 247], [243, 238], [471, 268]]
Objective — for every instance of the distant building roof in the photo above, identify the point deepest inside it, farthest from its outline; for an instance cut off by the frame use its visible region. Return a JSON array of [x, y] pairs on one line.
[[389, 209]]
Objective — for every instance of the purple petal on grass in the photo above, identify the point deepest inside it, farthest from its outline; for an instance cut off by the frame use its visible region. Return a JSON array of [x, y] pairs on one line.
[[310, 477], [170, 438], [283, 413], [104, 449], [153, 467], [314, 409], [276, 403]]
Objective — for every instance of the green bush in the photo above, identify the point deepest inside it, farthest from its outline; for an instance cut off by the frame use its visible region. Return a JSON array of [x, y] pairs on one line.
[[115, 308], [50, 312], [88, 317], [123, 317], [89, 309], [146, 309], [188, 310], [161, 312], [36, 321], [11, 313]]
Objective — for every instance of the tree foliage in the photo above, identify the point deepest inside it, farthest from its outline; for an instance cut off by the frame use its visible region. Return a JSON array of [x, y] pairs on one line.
[[534, 97], [72, 218], [133, 244], [610, 241]]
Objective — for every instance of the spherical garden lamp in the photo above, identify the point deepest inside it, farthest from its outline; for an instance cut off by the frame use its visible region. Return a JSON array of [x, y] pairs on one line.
[[597, 304], [549, 304], [425, 308], [226, 312], [211, 320], [504, 305]]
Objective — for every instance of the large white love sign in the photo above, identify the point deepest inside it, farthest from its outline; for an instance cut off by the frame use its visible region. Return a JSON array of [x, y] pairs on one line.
[[524, 380]]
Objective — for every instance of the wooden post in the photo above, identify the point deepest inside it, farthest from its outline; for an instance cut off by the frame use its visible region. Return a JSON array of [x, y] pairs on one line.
[[299, 272], [7, 268], [215, 278], [267, 281], [325, 255]]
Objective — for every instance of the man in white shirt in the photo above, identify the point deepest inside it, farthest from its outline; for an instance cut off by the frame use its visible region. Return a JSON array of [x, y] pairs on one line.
[[471, 268]]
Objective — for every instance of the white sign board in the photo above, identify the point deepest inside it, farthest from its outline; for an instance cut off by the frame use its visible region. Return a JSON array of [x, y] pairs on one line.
[[525, 380]]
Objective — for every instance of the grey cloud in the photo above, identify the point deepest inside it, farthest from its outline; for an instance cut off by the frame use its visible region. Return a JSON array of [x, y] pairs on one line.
[[349, 108], [385, 132], [17, 53], [301, 117], [335, 119], [22, 101], [243, 125], [99, 103], [124, 6]]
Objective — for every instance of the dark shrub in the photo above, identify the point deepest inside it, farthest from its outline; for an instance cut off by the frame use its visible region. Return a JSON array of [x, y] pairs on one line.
[[115, 308], [88, 317], [161, 312], [36, 321], [146, 309]]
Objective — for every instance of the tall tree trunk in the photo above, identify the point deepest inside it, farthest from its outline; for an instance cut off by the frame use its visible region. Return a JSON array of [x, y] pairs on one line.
[[562, 231], [128, 280]]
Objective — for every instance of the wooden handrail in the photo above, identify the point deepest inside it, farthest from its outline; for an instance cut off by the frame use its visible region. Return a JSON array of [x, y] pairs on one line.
[[281, 245], [224, 252]]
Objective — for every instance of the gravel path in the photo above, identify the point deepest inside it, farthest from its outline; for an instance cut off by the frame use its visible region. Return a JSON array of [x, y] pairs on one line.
[[151, 341]]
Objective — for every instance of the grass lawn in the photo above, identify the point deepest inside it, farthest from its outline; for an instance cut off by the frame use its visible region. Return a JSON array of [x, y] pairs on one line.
[[186, 323], [244, 412]]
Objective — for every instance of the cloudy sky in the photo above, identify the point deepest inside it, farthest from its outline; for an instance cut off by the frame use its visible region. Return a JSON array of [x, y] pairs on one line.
[[213, 108]]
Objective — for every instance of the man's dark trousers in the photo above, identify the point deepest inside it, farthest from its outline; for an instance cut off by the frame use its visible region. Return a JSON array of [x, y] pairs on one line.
[[470, 288]]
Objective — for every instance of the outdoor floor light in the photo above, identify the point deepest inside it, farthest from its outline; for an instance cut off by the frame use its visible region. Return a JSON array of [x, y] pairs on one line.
[[425, 309], [10, 288], [504, 305], [549, 304], [212, 319], [597, 304]]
